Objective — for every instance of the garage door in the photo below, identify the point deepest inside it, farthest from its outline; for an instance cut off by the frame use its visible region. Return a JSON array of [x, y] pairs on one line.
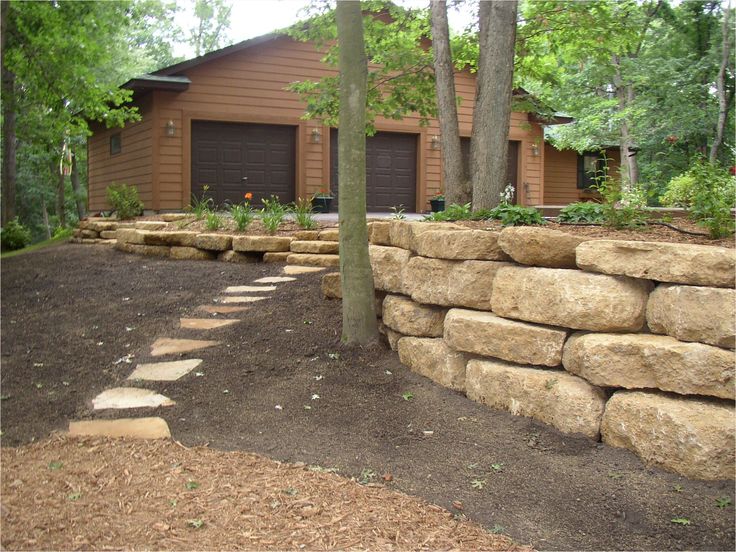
[[235, 158], [391, 170], [511, 168]]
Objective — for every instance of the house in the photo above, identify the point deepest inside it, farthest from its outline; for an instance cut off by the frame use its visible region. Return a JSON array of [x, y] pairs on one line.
[[225, 121]]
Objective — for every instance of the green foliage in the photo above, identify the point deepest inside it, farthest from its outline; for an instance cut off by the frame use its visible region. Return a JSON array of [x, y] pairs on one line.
[[302, 209], [516, 215], [398, 212], [14, 236], [124, 201], [273, 214], [243, 214], [712, 200], [212, 21], [680, 191], [621, 208], [453, 211], [582, 212], [201, 206], [213, 221]]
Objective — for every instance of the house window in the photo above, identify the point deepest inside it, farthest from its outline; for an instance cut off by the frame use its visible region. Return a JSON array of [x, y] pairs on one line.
[[115, 144], [591, 167]]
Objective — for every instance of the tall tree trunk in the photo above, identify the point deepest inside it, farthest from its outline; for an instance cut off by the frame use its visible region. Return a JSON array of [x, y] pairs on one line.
[[45, 213], [60, 195], [723, 103], [491, 116], [358, 296], [629, 163], [457, 186], [9, 139], [77, 187]]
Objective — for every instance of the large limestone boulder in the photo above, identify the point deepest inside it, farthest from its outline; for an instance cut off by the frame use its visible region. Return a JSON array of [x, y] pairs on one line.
[[129, 235], [275, 256], [231, 256], [99, 225], [404, 232], [570, 298], [692, 437], [643, 361], [150, 224], [432, 358], [699, 265], [409, 318], [176, 238], [310, 259], [214, 242], [317, 246], [147, 250], [261, 244], [392, 337], [451, 283], [388, 264], [484, 333], [306, 235], [559, 399], [191, 254], [331, 287], [538, 246], [694, 313], [379, 232], [330, 234], [460, 245]]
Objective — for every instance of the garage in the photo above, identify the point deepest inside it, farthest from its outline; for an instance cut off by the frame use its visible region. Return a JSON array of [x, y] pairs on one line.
[[235, 158], [391, 170]]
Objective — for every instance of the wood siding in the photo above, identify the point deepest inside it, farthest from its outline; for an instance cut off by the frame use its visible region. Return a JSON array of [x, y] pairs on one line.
[[561, 175]]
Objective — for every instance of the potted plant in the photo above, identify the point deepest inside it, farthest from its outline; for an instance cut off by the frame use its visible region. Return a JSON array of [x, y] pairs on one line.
[[321, 201], [437, 203]]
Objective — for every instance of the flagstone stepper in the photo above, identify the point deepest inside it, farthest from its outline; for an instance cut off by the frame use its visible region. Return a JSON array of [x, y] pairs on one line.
[[165, 371], [168, 346], [300, 269], [221, 309], [206, 323], [134, 428], [240, 299], [273, 280], [249, 289], [130, 397]]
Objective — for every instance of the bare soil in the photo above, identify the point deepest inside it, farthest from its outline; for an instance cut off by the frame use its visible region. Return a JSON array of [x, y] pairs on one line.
[[71, 312]]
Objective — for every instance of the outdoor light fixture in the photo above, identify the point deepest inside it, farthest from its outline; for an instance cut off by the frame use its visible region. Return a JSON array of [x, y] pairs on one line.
[[316, 136], [535, 149], [435, 142], [170, 128]]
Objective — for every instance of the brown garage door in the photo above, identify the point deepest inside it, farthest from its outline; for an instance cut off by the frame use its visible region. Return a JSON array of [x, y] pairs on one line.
[[235, 158], [512, 168], [391, 170]]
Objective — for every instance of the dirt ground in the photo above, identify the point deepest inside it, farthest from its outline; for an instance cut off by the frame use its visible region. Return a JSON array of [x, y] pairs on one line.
[[71, 312]]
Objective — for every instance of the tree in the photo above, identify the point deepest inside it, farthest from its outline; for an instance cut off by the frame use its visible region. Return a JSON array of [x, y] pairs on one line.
[[358, 296], [492, 112], [723, 101], [8, 111], [457, 186], [212, 23]]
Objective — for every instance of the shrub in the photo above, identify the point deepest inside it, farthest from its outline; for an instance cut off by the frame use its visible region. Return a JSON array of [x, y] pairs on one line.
[[272, 214], [679, 191], [451, 212], [516, 215], [124, 200], [713, 196], [302, 209], [582, 211], [14, 235], [621, 208]]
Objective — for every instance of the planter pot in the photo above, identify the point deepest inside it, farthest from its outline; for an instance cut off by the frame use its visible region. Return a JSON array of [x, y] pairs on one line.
[[321, 204], [437, 205]]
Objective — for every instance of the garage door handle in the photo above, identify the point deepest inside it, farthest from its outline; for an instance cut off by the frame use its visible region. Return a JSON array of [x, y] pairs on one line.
[[244, 178]]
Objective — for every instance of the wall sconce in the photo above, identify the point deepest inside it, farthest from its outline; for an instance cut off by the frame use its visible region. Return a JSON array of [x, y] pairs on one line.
[[170, 128], [535, 149], [316, 136], [435, 143]]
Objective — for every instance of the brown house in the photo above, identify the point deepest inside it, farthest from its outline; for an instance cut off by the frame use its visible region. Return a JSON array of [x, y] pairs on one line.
[[225, 120]]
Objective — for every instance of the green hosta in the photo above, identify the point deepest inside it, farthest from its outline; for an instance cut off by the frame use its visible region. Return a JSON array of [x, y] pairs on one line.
[[582, 212]]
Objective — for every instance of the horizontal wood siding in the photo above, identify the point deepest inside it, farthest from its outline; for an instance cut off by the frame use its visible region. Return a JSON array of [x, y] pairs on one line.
[[561, 175]]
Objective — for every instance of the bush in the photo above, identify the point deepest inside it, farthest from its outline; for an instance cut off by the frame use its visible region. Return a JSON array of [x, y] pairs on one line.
[[582, 212], [712, 198], [124, 201], [516, 215], [14, 236], [621, 208], [451, 212]]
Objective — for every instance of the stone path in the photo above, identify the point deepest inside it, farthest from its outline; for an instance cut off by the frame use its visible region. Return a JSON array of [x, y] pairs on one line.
[[119, 398]]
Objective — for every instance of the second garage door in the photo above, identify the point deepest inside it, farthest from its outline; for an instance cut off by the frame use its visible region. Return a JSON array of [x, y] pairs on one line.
[[236, 158], [391, 170]]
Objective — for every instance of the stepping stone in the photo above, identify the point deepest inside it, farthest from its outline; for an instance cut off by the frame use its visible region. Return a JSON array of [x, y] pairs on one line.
[[164, 371], [297, 269], [273, 280], [249, 289], [221, 309], [134, 428], [168, 346], [206, 323], [240, 299], [129, 397]]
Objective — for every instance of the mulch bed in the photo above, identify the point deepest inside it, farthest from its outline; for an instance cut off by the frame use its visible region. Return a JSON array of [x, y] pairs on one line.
[[71, 312]]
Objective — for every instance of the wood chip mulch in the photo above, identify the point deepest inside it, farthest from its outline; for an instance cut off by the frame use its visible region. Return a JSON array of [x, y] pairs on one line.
[[94, 493]]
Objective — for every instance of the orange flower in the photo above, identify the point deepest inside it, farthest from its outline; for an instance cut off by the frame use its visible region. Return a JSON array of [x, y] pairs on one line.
[[248, 196]]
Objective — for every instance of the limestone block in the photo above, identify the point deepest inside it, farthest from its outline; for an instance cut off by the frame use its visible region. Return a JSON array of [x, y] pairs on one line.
[[403, 232], [150, 224], [174, 217], [379, 232], [77, 233], [331, 288], [460, 245], [108, 234], [306, 235], [90, 234], [100, 226], [161, 237], [570, 298], [484, 333], [539, 246], [308, 259], [330, 234], [191, 253], [451, 283], [129, 235], [636, 361], [388, 264], [214, 242], [318, 247], [559, 399], [276, 256], [392, 336], [699, 265], [692, 437], [409, 318], [231, 256], [432, 358], [261, 243], [130, 428], [694, 313], [147, 250]]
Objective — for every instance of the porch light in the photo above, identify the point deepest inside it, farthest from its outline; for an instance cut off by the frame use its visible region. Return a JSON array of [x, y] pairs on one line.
[[170, 128], [435, 142], [316, 136], [535, 149]]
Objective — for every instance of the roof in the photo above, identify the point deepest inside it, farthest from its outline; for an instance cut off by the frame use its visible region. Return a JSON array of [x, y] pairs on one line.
[[157, 82]]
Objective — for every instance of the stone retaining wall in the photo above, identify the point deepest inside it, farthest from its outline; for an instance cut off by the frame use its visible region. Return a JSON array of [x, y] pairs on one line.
[[628, 341]]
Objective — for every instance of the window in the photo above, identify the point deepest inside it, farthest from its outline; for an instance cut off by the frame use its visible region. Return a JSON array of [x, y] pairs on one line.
[[115, 144], [591, 167]]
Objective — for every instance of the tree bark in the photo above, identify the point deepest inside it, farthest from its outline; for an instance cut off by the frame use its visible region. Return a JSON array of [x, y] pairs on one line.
[[723, 102], [625, 96], [491, 116], [77, 187], [358, 295], [9, 138], [60, 193], [457, 186], [45, 213]]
